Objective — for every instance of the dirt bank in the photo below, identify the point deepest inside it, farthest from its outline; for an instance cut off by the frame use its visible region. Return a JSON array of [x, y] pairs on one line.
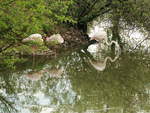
[[73, 38]]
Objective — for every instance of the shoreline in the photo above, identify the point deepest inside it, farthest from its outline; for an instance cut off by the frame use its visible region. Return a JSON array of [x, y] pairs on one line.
[[73, 39]]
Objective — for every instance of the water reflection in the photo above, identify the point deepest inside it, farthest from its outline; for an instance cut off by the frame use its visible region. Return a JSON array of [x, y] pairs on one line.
[[53, 72], [118, 88], [34, 75], [133, 38], [56, 72], [101, 65], [122, 88]]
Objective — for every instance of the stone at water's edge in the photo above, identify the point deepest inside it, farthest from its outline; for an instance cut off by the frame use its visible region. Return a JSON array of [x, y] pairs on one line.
[[69, 38], [54, 39], [34, 38], [34, 44], [36, 35]]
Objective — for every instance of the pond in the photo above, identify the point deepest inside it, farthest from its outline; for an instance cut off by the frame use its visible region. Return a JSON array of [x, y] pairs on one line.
[[69, 83]]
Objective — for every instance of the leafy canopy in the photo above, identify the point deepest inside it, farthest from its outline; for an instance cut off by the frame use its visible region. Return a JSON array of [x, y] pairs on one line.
[[21, 18]]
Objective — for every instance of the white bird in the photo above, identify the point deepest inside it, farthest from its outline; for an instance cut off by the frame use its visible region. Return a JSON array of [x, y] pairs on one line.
[[102, 35], [99, 36]]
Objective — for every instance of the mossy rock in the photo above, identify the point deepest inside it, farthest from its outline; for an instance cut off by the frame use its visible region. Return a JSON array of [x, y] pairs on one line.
[[37, 41], [52, 43]]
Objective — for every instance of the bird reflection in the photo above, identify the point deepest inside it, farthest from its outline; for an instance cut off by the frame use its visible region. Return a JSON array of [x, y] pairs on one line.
[[35, 75], [101, 65], [102, 35], [53, 73], [56, 72]]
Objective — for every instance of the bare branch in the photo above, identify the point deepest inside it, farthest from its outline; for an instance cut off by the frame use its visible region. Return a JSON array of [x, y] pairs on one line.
[[90, 9]]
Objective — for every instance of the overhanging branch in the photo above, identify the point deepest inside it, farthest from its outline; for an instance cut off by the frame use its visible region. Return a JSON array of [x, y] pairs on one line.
[[6, 47], [92, 17], [101, 11], [90, 9]]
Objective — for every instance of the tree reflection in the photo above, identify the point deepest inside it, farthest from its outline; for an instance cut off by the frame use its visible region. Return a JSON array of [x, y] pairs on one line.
[[122, 87], [6, 105]]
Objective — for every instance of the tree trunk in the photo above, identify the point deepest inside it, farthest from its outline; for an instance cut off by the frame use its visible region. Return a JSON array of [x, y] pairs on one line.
[[83, 27], [115, 30]]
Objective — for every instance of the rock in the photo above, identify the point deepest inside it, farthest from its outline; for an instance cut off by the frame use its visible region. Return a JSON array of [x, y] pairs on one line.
[[34, 38], [55, 39]]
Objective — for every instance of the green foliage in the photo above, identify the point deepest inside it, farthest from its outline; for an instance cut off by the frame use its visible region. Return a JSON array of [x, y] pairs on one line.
[[136, 13], [132, 12], [87, 10], [21, 18], [8, 62], [36, 42], [59, 10], [27, 49], [52, 43]]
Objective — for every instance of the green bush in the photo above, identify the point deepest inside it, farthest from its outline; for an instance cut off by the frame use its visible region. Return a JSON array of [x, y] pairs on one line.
[[21, 18]]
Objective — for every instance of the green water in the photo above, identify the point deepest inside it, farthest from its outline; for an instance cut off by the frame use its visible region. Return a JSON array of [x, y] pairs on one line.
[[123, 86]]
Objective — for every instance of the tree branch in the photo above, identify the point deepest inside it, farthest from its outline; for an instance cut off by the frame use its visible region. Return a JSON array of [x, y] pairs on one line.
[[92, 17], [8, 105], [6, 47], [98, 13], [139, 44], [90, 9]]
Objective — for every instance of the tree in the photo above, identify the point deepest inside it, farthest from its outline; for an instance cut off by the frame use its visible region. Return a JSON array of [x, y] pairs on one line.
[[131, 12], [21, 18]]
